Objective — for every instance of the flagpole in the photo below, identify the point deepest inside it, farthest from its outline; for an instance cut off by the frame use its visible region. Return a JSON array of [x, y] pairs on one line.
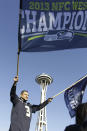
[[18, 53], [69, 87], [18, 62], [60, 92]]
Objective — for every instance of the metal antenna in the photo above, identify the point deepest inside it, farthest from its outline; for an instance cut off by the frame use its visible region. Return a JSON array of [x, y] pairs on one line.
[[43, 80]]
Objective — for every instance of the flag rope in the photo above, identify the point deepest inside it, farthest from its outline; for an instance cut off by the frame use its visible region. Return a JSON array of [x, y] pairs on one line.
[[69, 87]]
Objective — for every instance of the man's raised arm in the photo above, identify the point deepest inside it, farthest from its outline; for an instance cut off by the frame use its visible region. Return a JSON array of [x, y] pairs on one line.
[[13, 96]]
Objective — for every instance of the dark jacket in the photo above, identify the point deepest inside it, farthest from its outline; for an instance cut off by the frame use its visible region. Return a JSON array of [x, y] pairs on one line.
[[81, 119], [81, 114]]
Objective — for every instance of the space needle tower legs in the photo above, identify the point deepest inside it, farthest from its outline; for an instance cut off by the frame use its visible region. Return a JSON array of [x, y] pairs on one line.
[[43, 80]]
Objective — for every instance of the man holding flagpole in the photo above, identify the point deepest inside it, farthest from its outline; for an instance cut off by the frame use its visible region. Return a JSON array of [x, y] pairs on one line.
[[22, 111]]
